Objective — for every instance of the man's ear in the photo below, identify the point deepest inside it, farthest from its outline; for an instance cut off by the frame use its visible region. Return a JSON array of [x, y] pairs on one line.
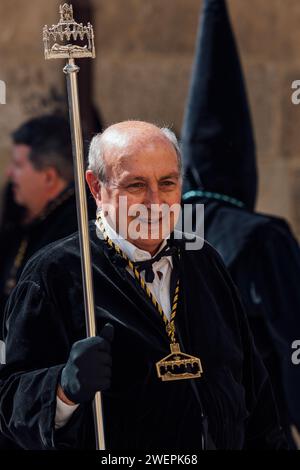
[[94, 185], [51, 176]]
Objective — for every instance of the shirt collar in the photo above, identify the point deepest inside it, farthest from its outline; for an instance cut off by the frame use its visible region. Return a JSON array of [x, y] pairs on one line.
[[133, 252]]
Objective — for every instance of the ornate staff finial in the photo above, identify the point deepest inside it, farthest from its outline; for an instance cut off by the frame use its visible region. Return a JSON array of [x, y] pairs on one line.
[[57, 38], [66, 13]]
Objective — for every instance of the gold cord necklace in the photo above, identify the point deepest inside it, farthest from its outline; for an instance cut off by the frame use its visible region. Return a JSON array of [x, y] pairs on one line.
[[176, 365]]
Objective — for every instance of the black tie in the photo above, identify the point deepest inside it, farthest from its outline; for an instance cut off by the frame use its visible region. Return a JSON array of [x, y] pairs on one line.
[[147, 264]]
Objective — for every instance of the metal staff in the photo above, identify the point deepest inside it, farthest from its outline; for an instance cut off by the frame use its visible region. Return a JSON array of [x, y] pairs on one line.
[[57, 46]]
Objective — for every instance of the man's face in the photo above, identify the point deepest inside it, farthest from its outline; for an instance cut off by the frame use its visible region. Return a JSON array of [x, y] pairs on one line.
[[146, 175], [28, 183]]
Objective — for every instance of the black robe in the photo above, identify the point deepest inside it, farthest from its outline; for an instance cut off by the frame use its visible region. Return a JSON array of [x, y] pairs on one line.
[[45, 316], [263, 258]]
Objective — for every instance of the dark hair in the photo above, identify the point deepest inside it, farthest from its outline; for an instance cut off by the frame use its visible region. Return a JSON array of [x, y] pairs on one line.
[[50, 142]]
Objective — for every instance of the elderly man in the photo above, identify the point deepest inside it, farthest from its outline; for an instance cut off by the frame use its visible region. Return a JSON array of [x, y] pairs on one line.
[[173, 356]]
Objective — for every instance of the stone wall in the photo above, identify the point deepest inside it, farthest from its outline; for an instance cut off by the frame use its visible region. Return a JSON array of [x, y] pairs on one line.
[[144, 56], [30, 81], [268, 35]]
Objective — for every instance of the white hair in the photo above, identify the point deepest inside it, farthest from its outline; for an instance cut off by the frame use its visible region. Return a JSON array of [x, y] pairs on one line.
[[96, 160]]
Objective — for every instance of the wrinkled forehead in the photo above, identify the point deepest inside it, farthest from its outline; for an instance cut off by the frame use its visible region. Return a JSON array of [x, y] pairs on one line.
[[20, 152], [131, 139], [133, 149]]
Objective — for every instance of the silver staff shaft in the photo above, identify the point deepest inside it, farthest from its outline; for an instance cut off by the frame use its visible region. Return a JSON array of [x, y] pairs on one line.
[[71, 70]]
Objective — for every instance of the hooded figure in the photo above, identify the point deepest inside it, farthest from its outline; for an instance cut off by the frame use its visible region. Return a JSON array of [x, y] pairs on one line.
[[219, 161]]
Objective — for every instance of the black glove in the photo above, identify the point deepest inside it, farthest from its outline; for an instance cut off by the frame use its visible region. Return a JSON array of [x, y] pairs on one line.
[[88, 369]]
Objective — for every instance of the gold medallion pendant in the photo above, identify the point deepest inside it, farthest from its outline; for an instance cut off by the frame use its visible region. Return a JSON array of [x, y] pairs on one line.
[[178, 365]]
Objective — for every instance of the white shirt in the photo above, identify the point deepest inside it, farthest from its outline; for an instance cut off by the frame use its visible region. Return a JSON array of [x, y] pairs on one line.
[[160, 288], [162, 269]]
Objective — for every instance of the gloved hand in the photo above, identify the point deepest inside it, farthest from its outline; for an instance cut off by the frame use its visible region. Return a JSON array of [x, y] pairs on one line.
[[88, 369]]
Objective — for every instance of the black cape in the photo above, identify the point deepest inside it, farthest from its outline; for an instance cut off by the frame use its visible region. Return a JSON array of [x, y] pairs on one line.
[[45, 317], [263, 258]]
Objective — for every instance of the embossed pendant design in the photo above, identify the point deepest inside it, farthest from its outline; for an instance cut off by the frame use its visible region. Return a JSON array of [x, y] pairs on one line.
[[178, 365]]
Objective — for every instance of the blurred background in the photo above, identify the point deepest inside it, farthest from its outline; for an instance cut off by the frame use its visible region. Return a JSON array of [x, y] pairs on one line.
[[142, 71]]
